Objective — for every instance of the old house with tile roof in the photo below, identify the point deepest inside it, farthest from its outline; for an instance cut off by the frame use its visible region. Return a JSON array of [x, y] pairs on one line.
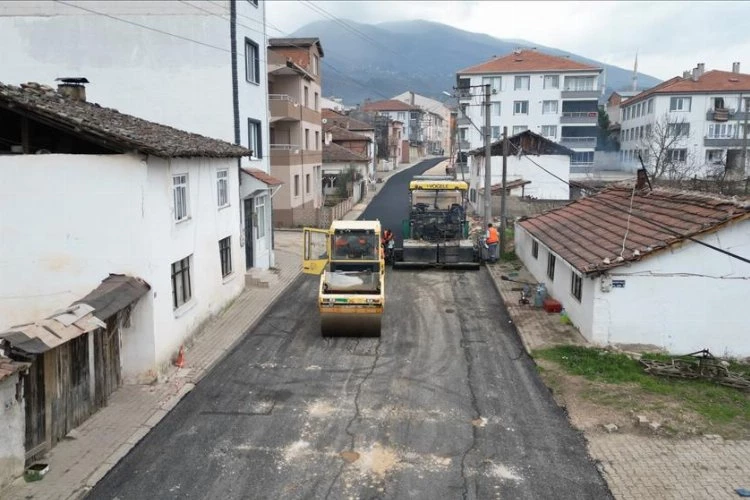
[[89, 192], [632, 265]]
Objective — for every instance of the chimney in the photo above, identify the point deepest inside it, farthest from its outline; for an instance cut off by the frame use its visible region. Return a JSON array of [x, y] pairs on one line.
[[640, 180], [735, 67], [694, 75], [701, 69], [411, 98], [686, 74], [72, 88]]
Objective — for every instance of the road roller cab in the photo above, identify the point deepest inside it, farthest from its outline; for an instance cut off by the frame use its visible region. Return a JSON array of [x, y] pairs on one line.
[[350, 261]]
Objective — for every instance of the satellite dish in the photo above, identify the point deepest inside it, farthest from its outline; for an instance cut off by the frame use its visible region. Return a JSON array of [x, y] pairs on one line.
[[324, 120]]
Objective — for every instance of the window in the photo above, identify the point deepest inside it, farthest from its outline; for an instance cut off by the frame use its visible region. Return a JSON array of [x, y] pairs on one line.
[[678, 129], [181, 289], [317, 140], [496, 108], [580, 82], [551, 82], [401, 116], [519, 128], [535, 249], [315, 62], [225, 254], [679, 103], [495, 83], [549, 107], [648, 131], [260, 215], [307, 97], [296, 185], [252, 61], [551, 267], [582, 158], [677, 155], [254, 141], [222, 188], [495, 133], [180, 192], [718, 103], [714, 156], [307, 183], [650, 106], [521, 107], [549, 131], [722, 130], [307, 138], [316, 101], [521, 83], [576, 283]]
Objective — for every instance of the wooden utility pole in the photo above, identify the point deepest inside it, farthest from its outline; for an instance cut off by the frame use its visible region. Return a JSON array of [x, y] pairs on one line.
[[502, 196], [487, 158]]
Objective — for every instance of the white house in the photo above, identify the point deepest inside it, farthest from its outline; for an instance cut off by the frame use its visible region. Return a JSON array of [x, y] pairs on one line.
[[654, 276], [197, 66], [552, 96], [543, 164], [88, 191], [695, 122]]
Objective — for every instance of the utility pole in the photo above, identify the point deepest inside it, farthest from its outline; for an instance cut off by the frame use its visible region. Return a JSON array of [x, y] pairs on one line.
[[502, 196], [487, 157]]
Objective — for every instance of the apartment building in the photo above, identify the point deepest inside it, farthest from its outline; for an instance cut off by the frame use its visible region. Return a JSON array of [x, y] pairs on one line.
[[294, 81], [552, 96], [696, 124], [411, 115], [436, 121]]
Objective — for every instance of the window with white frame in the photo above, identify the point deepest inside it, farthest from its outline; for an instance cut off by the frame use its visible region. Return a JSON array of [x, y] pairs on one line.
[[180, 195], [252, 61], [181, 286], [680, 103], [714, 156], [496, 108], [254, 140], [521, 83], [222, 188], [648, 131], [260, 215], [315, 62], [225, 256], [580, 82], [549, 131], [551, 81], [678, 129], [722, 130], [401, 116], [517, 129], [520, 107], [576, 285], [495, 83], [495, 132], [582, 158], [549, 107], [650, 106], [677, 155]]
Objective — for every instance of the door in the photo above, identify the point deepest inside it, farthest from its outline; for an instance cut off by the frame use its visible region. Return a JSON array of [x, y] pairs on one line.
[[107, 373], [316, 250], [249, 235], [33, 388]]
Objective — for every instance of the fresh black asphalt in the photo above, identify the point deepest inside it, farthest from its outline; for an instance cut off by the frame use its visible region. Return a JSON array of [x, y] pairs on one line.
[[445, 405]]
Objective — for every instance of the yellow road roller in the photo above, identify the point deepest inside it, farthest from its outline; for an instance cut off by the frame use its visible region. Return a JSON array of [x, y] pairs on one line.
[[350, 261]]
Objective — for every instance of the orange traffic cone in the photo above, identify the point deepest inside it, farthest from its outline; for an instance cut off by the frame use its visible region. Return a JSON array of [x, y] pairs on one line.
[[180, 361]]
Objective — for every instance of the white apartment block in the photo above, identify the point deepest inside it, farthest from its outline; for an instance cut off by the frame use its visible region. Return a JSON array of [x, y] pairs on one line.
[[436, 121], [696, 123], [552, 96]]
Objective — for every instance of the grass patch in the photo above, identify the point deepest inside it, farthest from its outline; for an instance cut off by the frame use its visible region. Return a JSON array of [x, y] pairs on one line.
[[509, 256], [718, 404]]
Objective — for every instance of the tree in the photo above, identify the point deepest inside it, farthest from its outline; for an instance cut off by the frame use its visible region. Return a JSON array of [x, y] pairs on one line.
[[605, 140], [664, 148]]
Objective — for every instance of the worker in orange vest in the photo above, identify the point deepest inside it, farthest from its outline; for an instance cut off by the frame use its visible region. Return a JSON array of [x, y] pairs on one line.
[[492, 240]]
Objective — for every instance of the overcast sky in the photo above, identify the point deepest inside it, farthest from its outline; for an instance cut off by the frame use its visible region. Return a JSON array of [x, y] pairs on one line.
[[669, 36]]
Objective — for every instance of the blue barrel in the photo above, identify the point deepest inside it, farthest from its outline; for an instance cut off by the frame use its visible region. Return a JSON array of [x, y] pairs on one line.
[[541, 294]]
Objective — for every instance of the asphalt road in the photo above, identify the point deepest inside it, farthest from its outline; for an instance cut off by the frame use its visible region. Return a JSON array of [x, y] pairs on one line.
[[444, 405]]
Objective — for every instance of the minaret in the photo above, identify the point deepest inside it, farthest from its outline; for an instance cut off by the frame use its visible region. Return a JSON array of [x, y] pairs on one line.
[[635, 73]]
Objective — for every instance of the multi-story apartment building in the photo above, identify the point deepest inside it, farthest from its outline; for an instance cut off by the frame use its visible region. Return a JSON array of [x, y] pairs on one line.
[[436, 121], [195, 66], [294, 80], [552, 96], [412, 116], [690, 125]]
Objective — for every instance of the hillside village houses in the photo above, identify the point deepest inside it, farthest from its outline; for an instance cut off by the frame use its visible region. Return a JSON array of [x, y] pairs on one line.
[[693, 125], [148, 74]]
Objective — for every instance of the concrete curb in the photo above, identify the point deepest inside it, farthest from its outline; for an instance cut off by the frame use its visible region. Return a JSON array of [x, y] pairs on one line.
[[513, 317]]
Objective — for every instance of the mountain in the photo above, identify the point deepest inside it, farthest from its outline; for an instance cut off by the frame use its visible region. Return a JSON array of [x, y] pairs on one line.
[[383, 60]]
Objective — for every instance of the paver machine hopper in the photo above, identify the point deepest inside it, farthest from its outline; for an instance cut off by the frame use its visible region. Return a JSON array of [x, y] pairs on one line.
[[350, 261], [436, 234]]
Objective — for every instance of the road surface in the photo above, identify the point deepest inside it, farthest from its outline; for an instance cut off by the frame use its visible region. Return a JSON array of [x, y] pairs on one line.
[[444, 405]]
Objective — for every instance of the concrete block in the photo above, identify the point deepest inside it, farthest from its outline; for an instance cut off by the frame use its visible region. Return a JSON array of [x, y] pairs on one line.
[[641, 421], [654, 426], [610, 428]]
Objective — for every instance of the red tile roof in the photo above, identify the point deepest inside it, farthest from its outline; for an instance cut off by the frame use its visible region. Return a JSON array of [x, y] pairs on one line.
[[263, 177], [335, 153], [342, 134], [589, 230], [344, 121], [527, 61], [389, 105], [711, 81]]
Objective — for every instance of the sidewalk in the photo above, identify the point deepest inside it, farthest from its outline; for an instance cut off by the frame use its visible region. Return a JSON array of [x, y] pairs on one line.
[[78, 462], [635, 466]]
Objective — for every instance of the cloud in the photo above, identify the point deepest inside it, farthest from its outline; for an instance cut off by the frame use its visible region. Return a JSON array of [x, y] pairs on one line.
[[669, 36]]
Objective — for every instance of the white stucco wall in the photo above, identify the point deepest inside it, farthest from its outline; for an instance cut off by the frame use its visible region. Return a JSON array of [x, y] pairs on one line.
[[12, 430], [543, 185], [73, 219]]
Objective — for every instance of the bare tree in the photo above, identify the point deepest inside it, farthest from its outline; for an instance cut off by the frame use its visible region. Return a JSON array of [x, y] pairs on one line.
[[664, 147]]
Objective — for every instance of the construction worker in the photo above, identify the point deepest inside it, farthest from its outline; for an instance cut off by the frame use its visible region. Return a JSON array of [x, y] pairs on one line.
[[492, 239], [387, 237], [342, 246]]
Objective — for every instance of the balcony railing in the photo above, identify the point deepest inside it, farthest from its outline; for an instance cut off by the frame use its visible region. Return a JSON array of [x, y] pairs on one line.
[[580, 94], [282, 97], [585, 117], [578, 142], [723, 142], [290, 148], [723, 115], [464, 93], [463, 120]]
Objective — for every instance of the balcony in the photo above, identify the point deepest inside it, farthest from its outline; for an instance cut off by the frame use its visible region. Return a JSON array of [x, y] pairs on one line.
[[464, 93], [285, 154], [581, 117], [463, 120], [284, 107], [723, 142], [580, 94], [578, 142], [723, 115]]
